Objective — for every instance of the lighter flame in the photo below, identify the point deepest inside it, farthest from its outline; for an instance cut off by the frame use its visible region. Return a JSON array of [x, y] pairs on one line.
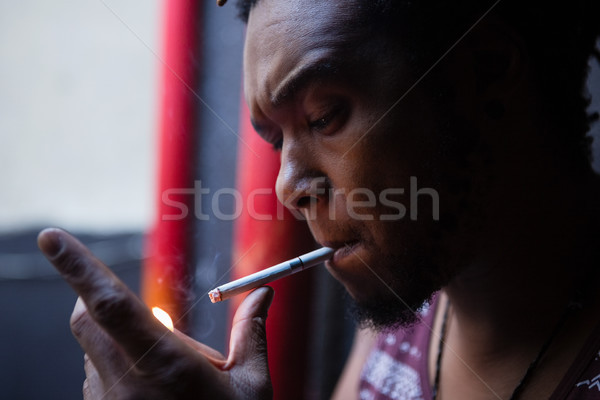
[[163, 317]]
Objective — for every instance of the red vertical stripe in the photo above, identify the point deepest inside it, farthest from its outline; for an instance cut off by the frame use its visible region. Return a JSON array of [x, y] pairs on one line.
[[166, 271], [264, 238]]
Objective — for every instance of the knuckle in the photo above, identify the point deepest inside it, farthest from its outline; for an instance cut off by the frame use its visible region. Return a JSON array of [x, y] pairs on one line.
[[77, 268], [70, 264], [111, 307]]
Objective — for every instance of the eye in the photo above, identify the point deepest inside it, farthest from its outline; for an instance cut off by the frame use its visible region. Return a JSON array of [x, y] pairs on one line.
[[329, 121], [320, 123]]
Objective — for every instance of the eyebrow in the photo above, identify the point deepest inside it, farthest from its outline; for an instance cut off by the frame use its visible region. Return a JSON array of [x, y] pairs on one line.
[[316, 71]]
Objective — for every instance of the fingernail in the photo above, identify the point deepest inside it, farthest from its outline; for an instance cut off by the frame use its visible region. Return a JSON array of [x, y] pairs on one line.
[[50, 242]]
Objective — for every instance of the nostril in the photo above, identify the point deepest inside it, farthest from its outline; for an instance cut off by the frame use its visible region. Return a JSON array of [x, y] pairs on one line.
[[306, 202]]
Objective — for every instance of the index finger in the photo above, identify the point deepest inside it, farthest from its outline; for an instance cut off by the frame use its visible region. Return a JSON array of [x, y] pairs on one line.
[[109, 302]]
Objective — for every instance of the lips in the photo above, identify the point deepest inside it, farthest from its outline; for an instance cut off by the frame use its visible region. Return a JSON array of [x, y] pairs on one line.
[[344, 250]]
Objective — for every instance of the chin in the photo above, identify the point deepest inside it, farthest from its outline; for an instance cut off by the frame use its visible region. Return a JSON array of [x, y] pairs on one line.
[[387, 314], [395, 300]]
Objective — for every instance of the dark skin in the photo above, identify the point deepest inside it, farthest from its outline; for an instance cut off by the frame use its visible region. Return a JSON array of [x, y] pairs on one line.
[[362, 145], [515, 220], [129, 354], [498, 277]]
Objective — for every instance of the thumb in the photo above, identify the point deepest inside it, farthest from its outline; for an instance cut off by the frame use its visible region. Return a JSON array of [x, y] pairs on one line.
[[248, 343]]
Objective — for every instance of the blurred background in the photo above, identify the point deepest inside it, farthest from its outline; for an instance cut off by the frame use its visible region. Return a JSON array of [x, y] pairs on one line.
[[79, 105], [78, 96], [79, 110]]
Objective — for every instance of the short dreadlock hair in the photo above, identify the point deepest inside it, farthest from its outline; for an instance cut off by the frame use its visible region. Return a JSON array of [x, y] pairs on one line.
[[560, 39]]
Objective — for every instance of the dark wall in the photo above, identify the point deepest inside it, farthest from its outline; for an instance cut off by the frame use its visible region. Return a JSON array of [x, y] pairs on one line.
[[39, 358]]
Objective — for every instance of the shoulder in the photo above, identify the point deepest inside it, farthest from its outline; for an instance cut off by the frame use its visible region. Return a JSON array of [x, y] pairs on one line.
[[582, 380], [347, 386]]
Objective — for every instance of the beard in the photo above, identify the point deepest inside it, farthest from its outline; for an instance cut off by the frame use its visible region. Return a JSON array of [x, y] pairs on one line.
[[435, 252], [441, 250], [403, 295], [384, 316]]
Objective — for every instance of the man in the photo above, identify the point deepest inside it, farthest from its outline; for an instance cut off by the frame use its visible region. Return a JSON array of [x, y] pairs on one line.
[[368, 97]]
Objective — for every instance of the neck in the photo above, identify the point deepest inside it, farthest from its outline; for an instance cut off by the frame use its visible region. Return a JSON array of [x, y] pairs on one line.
[[529, 270]]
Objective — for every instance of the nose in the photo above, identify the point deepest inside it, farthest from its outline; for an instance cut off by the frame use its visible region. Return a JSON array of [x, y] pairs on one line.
[[300, 186]]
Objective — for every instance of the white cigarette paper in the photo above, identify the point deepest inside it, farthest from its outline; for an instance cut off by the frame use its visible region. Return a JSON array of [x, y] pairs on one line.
[[270, 274]]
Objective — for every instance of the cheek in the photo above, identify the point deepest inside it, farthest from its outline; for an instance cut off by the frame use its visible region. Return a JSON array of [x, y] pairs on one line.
[[383, 154]]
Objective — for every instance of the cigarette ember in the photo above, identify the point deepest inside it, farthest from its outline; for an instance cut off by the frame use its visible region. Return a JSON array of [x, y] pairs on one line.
[[215, 295], [270, 274]]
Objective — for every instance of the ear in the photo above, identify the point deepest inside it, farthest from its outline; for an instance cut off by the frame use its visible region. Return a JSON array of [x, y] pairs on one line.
[[500, 60]]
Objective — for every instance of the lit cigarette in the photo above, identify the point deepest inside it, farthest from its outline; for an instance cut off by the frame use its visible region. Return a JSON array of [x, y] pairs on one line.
[[270, 274]]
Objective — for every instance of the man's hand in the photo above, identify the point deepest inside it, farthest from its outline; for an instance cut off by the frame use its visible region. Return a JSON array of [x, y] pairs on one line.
[[131, 355]]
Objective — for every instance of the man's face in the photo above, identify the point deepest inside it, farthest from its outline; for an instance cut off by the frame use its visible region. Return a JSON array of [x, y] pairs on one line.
[[324, 87]]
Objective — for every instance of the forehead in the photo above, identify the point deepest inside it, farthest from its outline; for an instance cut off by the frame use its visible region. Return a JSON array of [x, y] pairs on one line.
[[303, 16], [284, 35]]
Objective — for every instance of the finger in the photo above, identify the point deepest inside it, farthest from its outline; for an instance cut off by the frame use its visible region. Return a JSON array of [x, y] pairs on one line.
[[109, 302], [248, 344], [217, 359], [107, 357]]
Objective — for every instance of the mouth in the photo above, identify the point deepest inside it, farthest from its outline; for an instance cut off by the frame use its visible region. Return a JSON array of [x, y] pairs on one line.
[[344, 249]]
